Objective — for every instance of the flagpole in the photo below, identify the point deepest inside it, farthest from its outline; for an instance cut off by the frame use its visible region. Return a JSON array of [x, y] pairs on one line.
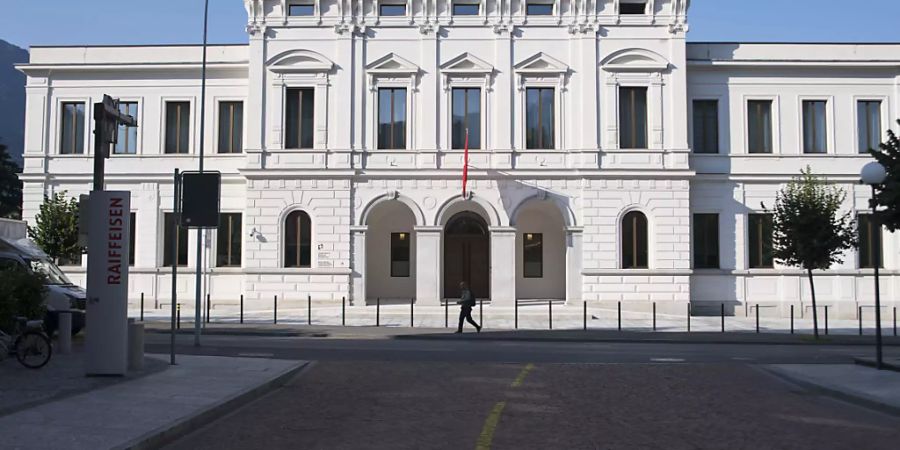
[[198, 278]]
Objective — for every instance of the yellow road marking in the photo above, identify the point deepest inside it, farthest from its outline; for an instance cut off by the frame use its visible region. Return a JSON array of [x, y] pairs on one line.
[[487, 433], [522, 375]]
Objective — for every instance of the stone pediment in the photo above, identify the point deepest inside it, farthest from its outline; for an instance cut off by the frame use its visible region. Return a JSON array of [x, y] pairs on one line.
[[392, 64], [634, 60], [466, 63], [300, 61], [541, 63]]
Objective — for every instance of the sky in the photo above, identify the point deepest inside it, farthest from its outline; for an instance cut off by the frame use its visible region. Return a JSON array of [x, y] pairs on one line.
[[71, 22]]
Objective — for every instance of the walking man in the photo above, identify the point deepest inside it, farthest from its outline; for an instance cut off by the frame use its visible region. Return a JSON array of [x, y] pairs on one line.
[[466, 302]]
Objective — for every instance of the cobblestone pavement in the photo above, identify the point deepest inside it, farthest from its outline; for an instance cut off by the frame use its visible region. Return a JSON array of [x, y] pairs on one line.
[[436, 405]]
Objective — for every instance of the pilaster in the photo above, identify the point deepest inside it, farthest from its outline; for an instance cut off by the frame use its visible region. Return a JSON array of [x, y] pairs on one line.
[[503, 266]]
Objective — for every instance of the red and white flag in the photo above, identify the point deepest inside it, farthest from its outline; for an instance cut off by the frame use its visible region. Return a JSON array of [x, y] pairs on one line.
[[466, 165]]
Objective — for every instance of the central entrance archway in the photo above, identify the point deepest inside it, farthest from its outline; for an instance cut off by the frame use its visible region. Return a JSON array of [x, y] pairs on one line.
[[467, 255]]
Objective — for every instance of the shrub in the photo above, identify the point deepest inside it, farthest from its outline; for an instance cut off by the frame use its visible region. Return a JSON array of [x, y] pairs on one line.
[[21, 294]]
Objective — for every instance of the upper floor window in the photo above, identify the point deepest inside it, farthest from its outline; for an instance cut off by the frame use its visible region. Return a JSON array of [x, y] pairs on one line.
[[72, 129], [634, 241], [539, 118], [228, 240], [870, 243], [868, 115], [760, 240], [178, 125], [299, 117], [759, 126], [539, 9], [301, 10], [533, 255], [706, 241], [386, 9], [633, 117], [633, 8], [231, 127], [391, 118], [400, 255], [814, 126], [466, 117], [466, 9], [706, 126], [298, 240], [126, 141]]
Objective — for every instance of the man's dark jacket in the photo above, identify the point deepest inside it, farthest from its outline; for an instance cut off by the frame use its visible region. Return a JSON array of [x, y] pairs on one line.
[[466, 298]]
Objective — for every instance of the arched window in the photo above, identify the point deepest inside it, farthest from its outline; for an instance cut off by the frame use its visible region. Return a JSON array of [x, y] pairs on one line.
[[297, 240], [634, 241]]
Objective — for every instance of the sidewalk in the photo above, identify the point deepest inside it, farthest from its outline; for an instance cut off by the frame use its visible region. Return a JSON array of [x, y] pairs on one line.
[[147, 411], [878, 389]]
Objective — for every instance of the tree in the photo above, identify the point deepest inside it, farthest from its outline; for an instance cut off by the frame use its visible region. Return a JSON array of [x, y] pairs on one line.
[[888, 194], [21, 294], [56, 228], [10, 187], [809, 230]]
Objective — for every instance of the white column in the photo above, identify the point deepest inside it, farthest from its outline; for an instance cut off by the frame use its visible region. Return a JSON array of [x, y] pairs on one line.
[[358, 267], [428, 265], [503, 266], [574, 239]]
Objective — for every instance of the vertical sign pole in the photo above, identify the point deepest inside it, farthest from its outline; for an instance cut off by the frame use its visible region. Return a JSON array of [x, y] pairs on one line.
[[175, 194], [197, 278]]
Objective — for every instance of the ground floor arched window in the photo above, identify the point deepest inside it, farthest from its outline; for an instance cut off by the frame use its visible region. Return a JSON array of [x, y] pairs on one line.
[[634, 241], [298, 240]]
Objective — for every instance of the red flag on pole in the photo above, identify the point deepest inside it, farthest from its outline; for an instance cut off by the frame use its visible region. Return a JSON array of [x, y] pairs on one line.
[[466, 165]]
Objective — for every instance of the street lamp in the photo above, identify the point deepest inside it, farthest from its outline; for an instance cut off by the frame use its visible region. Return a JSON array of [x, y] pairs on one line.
[[874, 175]]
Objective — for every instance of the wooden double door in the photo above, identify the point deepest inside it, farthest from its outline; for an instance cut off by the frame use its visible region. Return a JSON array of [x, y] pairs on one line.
[[467, 255]]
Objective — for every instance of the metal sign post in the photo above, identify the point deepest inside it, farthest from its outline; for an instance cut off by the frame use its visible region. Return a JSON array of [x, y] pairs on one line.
[[200, 198]]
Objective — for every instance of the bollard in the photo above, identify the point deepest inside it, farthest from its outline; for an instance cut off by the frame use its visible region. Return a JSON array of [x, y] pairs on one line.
[[859, 316], [65, 332], [275, 311], [178, 315], [481, 312], [895, 321], [584, 315], [619, 307], [378, 312], [412, 319], [242, 308], [550, 312], [135, 345], [654, 316], [689, 317], [826, 320], [723, 317], [792, 319], [343, 311], [155, 302], [208, 306], [517, 314], [446, 313], [142, 306], [309, 309], [757, 318]]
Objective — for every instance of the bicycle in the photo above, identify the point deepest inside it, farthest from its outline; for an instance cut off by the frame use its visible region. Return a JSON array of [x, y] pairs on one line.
[[30, 345]]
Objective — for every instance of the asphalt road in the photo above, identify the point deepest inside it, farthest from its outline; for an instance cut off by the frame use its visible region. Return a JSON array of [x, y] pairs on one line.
[[457, 394]]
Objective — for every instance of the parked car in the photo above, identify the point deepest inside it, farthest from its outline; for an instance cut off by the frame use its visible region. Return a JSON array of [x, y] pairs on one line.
[[62, 294]]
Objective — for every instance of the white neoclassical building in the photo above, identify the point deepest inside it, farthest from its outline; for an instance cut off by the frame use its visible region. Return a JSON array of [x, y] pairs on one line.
[[610, 160]]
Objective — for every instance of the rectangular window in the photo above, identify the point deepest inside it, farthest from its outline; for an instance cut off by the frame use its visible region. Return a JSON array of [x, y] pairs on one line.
[[633, 8], [814, 126], [228, 240], [400, 255], [466, 116], [391, 10], [539, 118], [231, 127], [760, 239], [465, 9], [706, 241], [301, 10], [72, 129], [173, 231], [178, 127], [867, 248], [868, 115], [533, 255], [633, 117], [132, 238], [539, 9], [706, 126], [299, 118], [392, 118], [126, 141], [759, 126]]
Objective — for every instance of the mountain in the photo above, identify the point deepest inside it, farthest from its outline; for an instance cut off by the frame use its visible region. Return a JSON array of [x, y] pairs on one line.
[[12, 99]]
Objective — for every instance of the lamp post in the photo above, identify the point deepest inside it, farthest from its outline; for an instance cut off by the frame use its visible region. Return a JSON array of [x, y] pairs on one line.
[[874, 174]]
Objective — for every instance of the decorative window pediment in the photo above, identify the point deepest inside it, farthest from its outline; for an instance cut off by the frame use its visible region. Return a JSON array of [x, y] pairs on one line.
[[466, 63], [634, 60], [541, 63], [300, 61], [392, 64]]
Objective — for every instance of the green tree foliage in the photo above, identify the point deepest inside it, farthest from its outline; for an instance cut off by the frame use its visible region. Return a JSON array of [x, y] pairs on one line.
[[10, 187], [21, 294], [809, 230], [888, 194], [56, 228]]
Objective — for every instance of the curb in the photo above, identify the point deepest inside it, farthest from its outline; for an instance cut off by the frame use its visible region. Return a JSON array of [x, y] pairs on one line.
[[169, 433], [623, 340], [870, 362], [836, 393]]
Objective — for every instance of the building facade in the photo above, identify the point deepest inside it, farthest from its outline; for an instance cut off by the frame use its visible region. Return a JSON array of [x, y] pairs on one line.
[[609, 159]]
